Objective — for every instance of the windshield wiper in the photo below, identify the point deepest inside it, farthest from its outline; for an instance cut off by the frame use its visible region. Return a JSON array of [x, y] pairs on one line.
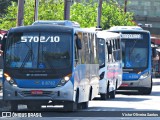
[[131, 50], [26, 59]]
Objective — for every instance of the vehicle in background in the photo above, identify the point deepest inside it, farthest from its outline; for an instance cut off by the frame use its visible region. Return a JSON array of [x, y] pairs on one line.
[[58, 22], [155, 60], [50, 65], [110, 63], [136, 57], [2, 33]]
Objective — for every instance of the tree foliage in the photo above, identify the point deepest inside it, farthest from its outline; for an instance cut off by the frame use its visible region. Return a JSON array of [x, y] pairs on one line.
[[84, 13], [4, 5]]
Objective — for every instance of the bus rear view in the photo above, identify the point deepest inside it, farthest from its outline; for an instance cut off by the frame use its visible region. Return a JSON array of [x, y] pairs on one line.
[[136, 54]]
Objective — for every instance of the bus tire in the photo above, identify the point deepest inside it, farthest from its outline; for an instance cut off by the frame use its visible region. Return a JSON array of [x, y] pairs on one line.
[[14, 106], [85, 105], [70, 106], [112, 94], [90, 94], [146, 91], [105, 96]]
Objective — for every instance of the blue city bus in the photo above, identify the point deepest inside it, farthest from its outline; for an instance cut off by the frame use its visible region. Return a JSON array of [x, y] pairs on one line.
[[136, 57], [110, 63], [50, 65]]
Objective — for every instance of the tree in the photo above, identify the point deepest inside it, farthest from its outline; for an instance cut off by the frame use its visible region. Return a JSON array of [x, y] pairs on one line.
[[112, 14], [4, 5], [48, 10], [84, 13]]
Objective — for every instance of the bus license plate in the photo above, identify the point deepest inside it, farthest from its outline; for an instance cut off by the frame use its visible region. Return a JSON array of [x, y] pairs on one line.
[[36, 92]]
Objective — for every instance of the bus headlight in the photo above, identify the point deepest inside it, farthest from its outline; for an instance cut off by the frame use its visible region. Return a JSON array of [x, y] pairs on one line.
[[9, 79], [145, 75], [63, 81]]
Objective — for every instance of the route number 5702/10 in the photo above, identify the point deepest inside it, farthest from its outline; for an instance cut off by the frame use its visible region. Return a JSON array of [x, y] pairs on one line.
[[40, 39]]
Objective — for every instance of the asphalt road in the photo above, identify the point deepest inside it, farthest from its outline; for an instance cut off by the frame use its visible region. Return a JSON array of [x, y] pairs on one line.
[[126, 106]]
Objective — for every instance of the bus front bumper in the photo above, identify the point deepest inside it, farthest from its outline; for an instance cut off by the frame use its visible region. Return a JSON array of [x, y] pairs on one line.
[[136, 85], [65, 92]]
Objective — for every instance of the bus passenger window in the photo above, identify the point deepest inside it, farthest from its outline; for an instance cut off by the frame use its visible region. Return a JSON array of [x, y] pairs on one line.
[[76, 48]]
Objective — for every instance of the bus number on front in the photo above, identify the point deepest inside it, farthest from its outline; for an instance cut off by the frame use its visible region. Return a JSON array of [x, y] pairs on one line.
[[40, 39]]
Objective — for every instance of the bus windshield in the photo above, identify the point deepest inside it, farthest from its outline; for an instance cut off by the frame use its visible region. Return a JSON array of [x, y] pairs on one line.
[[38, 50], [135, 50]]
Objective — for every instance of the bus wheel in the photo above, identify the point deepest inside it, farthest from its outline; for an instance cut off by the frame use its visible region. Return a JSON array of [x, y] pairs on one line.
[[14, 106], [146, 91], [112, 94], [70, 106], [103, 96], [84, 105], [90, 94]]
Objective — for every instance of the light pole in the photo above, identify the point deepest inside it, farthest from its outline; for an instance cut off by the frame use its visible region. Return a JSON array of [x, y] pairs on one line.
[[125, 6], [67, 4], [20, 13], [36, 10], [99, 13]]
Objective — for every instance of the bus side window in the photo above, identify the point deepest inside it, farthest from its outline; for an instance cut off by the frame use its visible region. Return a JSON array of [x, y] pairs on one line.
[[117, 51], [112, 50], [120, 50], [109, 46], [78, 43], [78, 46], [107, 54]]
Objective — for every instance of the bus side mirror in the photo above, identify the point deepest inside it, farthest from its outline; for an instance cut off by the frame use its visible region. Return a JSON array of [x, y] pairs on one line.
[[109, 49], [78, 43], [154, 53], [1, 36]]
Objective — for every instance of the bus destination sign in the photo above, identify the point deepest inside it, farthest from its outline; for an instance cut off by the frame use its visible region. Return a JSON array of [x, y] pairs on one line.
[[131, 36]]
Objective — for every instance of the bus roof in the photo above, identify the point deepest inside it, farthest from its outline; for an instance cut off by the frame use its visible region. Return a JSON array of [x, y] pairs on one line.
[[41, 28], [58, 22], [117, 28], [127, 29], [107, 35]]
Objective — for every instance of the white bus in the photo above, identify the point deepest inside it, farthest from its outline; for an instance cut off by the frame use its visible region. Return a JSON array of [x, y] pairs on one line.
[[110, 63]]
